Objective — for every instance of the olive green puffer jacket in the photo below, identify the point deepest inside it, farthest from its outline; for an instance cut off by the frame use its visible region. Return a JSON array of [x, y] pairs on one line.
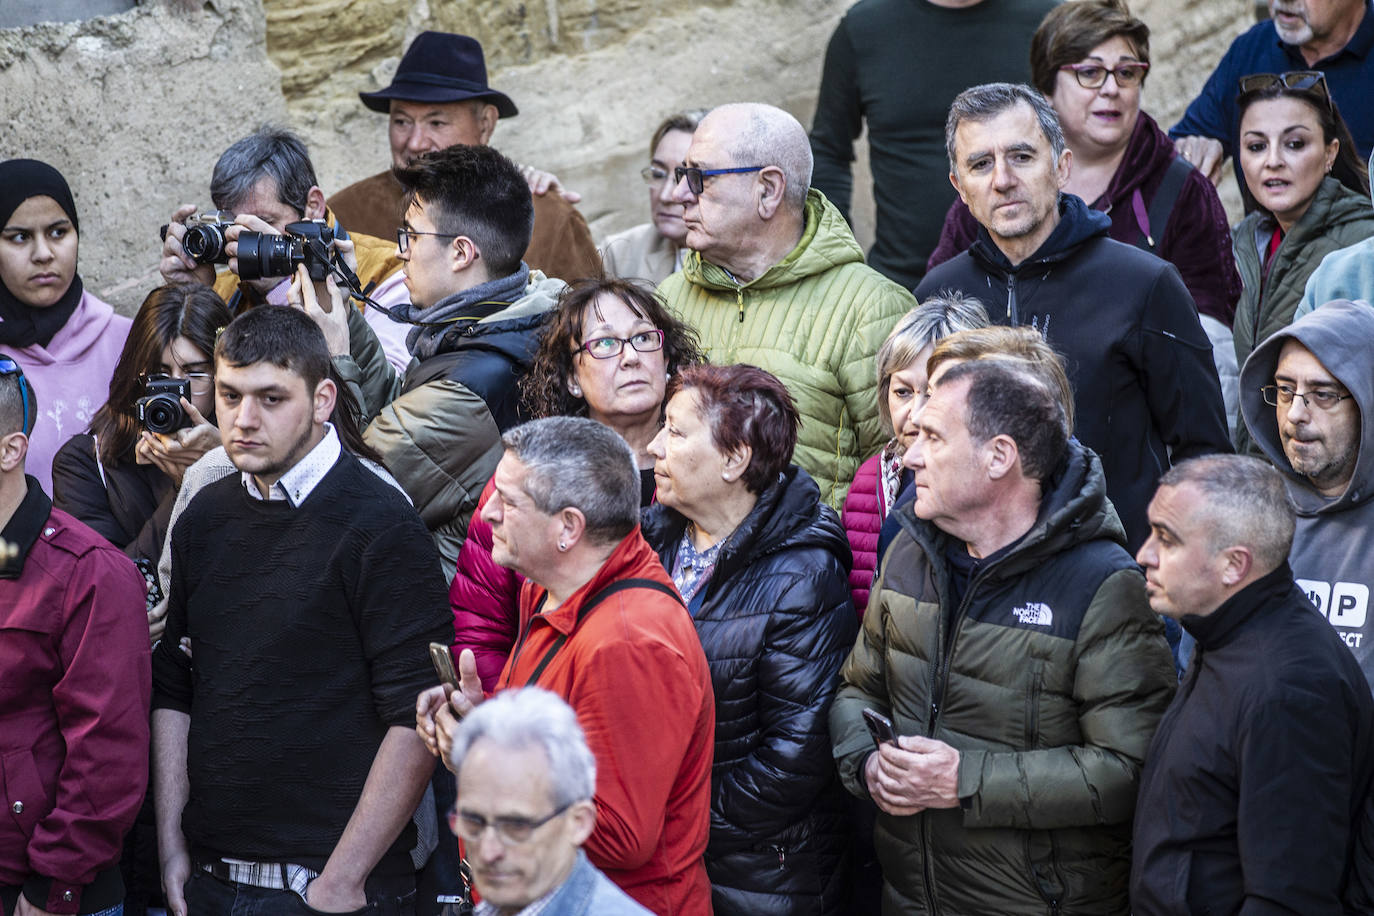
[[1050, 687], [815, 320]]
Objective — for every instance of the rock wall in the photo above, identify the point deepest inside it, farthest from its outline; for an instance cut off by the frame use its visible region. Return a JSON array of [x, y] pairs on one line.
[[135, 108]]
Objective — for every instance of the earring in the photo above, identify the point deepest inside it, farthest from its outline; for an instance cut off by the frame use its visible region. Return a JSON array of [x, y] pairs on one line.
[[562, 546], [577, 389]]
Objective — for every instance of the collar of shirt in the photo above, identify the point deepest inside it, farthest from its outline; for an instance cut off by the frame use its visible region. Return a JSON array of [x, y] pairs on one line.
[[534, 909], [296, 485]]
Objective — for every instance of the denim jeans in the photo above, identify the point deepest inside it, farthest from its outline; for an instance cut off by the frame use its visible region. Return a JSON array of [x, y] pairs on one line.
[[209, 896]]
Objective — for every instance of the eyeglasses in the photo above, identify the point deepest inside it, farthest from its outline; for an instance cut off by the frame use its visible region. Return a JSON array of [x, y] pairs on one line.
[[1293, 79], [201, 382], [611, 347], [1094, 76], [403, 237], [1320, 398], [696, 178], [512, 831], [654, 175], [10, 367]]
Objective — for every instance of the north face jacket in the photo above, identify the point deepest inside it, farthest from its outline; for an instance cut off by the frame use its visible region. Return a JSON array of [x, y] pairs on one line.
[[1049, 678], [815, 320]]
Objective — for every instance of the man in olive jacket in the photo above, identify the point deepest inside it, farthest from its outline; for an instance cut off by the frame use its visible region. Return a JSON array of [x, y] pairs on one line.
[[1010, 642], [774, 278]]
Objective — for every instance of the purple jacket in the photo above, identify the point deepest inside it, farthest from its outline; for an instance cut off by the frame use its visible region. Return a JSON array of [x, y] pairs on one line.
[[70, 377], [1196, 240], [73, 705]]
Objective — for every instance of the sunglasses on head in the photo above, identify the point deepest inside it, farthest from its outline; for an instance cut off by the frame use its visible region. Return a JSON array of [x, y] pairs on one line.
[[1293, 79], [10, 367]]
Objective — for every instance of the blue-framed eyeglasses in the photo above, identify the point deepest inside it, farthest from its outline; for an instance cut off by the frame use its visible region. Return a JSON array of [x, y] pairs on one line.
[[10, 367], [696, 178]]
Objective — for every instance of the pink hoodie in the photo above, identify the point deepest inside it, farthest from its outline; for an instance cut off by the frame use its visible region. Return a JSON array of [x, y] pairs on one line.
[[71, 378]]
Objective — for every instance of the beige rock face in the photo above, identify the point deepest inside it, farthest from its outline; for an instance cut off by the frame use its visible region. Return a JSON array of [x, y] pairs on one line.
[[135, 108]]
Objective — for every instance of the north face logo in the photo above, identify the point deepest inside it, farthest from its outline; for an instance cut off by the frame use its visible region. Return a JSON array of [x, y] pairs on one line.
[[1034, 614]]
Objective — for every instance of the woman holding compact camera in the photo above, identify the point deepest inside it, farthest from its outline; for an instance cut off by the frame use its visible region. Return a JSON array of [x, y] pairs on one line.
[[121, 475]]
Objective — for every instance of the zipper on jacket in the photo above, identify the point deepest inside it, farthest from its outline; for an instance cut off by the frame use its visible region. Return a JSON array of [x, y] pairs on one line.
[[739, 298], [1011, 301]]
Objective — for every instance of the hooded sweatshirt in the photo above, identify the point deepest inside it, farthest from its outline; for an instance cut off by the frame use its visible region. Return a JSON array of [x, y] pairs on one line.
[[1146, 391], [1333, 547]]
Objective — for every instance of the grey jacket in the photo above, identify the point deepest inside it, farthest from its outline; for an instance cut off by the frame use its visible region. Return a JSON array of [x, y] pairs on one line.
[[1333, 548]]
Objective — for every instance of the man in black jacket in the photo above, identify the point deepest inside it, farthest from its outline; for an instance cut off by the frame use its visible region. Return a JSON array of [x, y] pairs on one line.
[[1146, 389], [1259, 776]]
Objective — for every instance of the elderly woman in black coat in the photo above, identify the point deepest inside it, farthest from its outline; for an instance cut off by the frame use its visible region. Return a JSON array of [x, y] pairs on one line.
[[763, 567]]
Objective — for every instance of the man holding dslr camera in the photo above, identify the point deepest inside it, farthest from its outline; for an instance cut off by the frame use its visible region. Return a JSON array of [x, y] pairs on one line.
[[264, 184]]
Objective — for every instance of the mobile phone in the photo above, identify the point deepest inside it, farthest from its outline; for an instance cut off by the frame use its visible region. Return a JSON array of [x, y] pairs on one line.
[[879, 726], [443, 664]]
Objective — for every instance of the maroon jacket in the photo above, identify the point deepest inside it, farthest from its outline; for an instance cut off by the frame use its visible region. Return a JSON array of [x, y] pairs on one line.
[[75, 680], [1196, 240], [863, 522]]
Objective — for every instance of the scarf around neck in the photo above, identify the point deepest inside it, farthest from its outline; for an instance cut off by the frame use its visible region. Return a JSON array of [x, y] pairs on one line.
[[22, 325], [433, 323]]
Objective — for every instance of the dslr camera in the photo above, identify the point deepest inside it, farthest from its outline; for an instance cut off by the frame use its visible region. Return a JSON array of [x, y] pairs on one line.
[[160, 410], [204, 239], [305, 242]]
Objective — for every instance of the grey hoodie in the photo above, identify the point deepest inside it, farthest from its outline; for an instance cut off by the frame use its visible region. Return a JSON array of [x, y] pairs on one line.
[[1333, 548]]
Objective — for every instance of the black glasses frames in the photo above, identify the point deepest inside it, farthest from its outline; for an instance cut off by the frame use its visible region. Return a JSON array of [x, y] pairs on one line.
[[403, 237], [696, 178], [1293, 79]]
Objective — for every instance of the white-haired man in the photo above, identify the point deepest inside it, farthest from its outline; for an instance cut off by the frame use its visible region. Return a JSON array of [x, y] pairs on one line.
[[526, 780], [774, 278]]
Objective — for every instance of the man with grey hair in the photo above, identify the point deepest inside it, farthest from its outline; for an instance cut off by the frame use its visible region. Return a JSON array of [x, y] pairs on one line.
[[774, 278], [1146, 389], [526, 781], [1259, 776], [604, 628], [265, 182], [1008, 641]]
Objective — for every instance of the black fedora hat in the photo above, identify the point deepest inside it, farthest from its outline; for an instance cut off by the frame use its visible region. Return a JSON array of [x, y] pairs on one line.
[[440, 67]]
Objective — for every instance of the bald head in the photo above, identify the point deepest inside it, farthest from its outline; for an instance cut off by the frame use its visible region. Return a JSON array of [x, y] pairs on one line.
[[758, 134]]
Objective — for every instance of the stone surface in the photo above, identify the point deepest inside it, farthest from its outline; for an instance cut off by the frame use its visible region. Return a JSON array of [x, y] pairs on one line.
[[135, 108]]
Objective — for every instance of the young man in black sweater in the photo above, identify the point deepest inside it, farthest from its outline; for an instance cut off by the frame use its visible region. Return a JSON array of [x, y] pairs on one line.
[[286, 760]]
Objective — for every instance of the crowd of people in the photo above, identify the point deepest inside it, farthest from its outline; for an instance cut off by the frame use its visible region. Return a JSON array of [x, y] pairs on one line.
[[1018, 567]]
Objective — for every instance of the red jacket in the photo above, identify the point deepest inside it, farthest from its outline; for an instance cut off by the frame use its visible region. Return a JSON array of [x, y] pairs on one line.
[[863, 522], [634, 672], [485, 598], [75, 681]]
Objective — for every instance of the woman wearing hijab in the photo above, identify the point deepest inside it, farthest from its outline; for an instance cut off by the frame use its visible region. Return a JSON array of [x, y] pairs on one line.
[[66, 340]]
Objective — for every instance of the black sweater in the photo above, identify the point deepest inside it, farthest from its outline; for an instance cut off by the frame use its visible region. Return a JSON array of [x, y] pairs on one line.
[[1259, 768], [308, 628]]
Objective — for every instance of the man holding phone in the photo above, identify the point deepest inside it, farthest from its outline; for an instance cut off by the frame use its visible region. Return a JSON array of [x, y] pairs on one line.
[[287, 769], [1010, 643]]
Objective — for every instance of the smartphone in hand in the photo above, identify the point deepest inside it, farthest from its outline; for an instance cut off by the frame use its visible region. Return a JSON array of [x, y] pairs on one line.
[[442, 659], [880, 727]]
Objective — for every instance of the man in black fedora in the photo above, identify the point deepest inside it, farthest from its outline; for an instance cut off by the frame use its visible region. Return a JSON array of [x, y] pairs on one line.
[[440, 98]]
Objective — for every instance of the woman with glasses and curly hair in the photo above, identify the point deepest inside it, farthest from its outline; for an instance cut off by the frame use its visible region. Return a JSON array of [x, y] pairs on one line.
[[607, 353], [1306, 195]]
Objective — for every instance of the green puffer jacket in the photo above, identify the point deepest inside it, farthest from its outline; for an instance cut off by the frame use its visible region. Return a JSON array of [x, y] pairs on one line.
[[815, 320], [1050, 687], [1336, 218]]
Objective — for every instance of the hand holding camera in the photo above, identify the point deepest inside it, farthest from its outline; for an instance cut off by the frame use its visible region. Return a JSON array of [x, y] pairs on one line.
[[175, 434]]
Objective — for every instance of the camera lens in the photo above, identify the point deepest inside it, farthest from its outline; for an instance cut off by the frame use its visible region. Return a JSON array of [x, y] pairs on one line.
[[263, 255], [161, 413], [205, 243]]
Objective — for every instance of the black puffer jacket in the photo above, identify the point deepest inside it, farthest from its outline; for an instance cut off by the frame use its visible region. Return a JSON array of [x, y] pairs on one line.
[[776, 621]]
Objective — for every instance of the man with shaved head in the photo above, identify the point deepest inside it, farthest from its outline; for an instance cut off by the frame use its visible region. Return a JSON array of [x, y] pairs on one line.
[[774, 278]]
